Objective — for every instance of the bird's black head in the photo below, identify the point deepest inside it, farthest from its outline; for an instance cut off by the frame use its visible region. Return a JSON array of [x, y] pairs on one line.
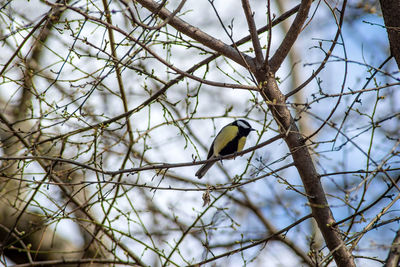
[[244, 127]]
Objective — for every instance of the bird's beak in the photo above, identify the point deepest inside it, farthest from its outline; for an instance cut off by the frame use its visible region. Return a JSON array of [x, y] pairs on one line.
[[252, 130]]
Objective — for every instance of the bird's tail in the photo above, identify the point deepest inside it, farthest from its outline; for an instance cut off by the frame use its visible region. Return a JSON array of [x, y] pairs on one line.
[[202, 171]]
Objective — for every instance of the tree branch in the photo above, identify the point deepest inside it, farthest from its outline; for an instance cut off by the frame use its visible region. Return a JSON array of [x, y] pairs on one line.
[[253, 31], [198, 35], [291, 36], [305, 166], [391, 12], [394, 252]]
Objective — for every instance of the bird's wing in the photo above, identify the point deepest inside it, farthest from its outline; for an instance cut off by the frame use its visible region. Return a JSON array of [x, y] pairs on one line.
[[227, 134], [211, 151]]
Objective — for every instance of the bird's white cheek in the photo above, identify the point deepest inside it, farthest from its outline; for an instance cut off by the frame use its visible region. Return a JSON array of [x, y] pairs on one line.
[[243, 125]]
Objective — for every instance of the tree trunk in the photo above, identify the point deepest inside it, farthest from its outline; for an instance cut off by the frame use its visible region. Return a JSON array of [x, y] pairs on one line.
[[391, 12], [305, 166]]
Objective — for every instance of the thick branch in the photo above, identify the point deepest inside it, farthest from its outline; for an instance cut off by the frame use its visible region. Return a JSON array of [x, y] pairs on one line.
[[200, 36], [394, 253], [391, 12], [253, 31], [305, 166], [291, 36]]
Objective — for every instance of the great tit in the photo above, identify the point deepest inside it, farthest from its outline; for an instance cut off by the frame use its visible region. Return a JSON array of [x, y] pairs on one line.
[[229, 140]]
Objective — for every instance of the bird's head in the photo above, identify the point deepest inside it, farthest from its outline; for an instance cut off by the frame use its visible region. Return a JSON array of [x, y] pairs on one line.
[[244, 127]]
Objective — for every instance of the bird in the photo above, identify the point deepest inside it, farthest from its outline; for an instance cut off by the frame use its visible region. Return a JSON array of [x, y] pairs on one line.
[[231, 139]]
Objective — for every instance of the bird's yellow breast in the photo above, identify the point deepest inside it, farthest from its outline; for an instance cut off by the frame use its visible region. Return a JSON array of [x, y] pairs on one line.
[[227, 134], [241, 143]]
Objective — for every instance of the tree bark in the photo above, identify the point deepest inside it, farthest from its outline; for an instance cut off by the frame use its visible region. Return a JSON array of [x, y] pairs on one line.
[[305, 166], [391, 13], [394, 253]]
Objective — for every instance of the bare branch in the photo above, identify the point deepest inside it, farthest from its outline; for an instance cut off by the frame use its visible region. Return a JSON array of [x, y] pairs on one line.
[[393, 258], [200, 36], [305, 166], [253, 31], [390, 12], [290, 37]]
